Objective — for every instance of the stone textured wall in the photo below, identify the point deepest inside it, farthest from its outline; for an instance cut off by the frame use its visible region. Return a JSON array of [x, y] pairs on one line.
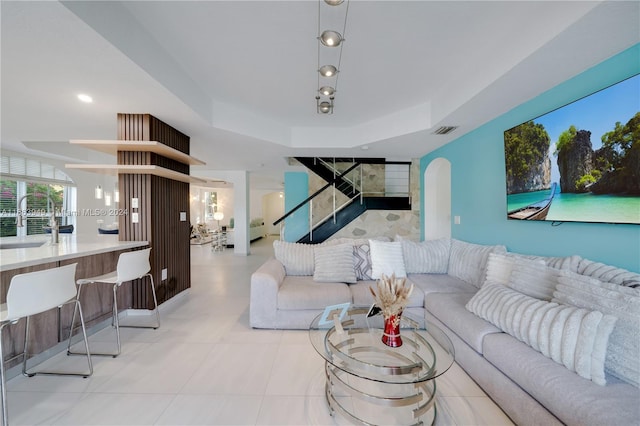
[[383, 223]]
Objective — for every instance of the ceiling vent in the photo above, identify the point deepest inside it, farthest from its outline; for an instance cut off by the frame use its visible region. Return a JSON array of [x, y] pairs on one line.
[[444, 130]]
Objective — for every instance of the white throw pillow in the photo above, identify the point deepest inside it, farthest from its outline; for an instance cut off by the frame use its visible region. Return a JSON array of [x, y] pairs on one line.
[[296, 258], [468, 261], [622, 302], [534, 279], [387, 259], [500, 266], [426, 257], [606, 273], [571, 336], [334, 264]]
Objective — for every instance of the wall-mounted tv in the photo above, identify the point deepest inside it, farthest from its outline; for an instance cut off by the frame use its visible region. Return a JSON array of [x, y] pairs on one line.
[[580, 162]]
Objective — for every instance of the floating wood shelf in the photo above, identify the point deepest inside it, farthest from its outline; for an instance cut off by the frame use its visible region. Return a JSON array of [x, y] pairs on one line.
[[114, 169], [113, 146]]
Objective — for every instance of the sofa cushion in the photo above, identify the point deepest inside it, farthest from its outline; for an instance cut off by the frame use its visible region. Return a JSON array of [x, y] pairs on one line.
[[386, 258], [568, 263], [449, 309], [297, 259], [564, 333], [426, 257], [362, 296], [334, 264], [362, 261], [606, 273], [500, 266], [468, 261], [571, 398], [534, 279], [441, 283], [623, 360], [297, 293]]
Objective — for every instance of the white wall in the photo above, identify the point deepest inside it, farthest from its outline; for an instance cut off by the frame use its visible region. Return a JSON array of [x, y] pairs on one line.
[[260, 205], [272, 209]]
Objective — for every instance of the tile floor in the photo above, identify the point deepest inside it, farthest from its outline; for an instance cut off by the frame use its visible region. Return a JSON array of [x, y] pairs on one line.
[[206, 366]]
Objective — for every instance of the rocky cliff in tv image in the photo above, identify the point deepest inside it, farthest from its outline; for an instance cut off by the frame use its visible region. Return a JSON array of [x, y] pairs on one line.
[[575, 162], [612, 169], [527, 161]]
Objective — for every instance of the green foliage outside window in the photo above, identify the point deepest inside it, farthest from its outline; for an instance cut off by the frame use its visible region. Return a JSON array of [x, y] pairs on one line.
[[36, 204]]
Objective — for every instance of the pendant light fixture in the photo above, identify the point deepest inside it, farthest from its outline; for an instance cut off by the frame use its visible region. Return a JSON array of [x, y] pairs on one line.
[[328, 73]]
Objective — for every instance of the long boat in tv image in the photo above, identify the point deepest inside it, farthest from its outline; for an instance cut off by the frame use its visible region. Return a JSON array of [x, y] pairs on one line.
[[534, 211]]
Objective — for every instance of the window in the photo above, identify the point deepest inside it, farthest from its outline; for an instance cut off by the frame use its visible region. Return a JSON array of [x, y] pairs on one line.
[[41, 190]]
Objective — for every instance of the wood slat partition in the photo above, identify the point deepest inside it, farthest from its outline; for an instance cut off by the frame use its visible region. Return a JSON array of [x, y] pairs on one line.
[[161, 200]]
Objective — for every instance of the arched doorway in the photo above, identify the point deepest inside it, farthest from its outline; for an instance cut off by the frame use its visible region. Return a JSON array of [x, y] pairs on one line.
[[437, 199]]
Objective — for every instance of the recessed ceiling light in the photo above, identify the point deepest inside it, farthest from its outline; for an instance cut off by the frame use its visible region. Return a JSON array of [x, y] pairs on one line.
[[85, 98], [364, 147]]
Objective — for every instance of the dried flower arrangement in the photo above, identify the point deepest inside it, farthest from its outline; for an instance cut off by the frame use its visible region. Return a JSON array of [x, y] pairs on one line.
[[392, 296]]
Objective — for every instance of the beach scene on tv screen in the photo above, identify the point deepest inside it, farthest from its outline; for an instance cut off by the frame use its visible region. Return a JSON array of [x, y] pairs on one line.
[[580, 162]]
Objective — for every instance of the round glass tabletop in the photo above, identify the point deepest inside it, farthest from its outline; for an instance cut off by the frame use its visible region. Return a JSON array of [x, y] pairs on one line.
[[354, 345]]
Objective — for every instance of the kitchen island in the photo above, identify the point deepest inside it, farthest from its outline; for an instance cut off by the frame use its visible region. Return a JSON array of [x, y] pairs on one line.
[[94, 254]]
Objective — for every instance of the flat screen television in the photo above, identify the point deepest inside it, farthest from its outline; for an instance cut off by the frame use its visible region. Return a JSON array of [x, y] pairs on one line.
[[580, 162]]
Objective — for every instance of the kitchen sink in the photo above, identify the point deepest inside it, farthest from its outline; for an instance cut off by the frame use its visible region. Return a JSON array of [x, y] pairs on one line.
[[4, 246]]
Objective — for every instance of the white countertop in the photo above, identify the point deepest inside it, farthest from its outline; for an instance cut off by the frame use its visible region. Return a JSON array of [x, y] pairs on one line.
[[69, 246]]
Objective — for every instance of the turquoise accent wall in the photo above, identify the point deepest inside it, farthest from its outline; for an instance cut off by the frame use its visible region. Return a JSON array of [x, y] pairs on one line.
[[478, 181], [296, 190]]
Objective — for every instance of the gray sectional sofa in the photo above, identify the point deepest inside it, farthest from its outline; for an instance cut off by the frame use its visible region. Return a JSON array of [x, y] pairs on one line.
[[550, 340]]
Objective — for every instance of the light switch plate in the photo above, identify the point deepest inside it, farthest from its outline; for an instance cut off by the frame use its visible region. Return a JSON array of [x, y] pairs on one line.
[[134, 203], [183, 216], [134, 218]]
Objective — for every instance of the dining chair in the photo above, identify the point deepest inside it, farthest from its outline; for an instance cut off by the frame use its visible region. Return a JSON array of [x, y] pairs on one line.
[[132, 265], [33, 293]]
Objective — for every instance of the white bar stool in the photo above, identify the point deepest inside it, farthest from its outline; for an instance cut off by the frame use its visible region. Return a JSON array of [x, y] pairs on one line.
[[32, 293], [132, 265]]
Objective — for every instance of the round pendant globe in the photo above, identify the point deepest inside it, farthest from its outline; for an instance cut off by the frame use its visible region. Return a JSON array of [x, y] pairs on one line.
[[330, 38], [328, 70], [324, 107], [327, 90]]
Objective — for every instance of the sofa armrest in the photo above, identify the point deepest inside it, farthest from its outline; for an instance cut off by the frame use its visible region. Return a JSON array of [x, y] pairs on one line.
[[265, 284]]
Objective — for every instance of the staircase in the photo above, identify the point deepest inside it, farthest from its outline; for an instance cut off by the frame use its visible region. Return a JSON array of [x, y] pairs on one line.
[[347, 181], [351, 212]]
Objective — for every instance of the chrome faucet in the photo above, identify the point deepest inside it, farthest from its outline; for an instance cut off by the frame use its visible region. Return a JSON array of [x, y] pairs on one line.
[[53, 224]]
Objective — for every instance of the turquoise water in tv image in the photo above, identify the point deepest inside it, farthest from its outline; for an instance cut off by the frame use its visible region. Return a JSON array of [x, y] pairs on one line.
[[585, 207]]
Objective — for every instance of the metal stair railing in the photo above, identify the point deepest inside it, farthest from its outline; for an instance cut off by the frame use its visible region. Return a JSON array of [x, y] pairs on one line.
[[399, 185], [315, 194]]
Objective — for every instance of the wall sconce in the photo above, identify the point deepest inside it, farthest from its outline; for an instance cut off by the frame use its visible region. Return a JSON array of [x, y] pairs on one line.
[[98, 192], [116, 194]]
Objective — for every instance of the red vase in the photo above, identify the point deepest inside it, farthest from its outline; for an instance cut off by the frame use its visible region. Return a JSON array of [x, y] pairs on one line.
[[391, 334]]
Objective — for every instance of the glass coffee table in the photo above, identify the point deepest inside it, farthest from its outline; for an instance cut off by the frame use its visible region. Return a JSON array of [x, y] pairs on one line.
[[368, 382]]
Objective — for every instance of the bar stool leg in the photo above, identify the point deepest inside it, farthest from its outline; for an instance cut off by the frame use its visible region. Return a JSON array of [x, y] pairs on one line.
[[115, 317], [5, 412], [78, 308], [26, 348], [73, 321]]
